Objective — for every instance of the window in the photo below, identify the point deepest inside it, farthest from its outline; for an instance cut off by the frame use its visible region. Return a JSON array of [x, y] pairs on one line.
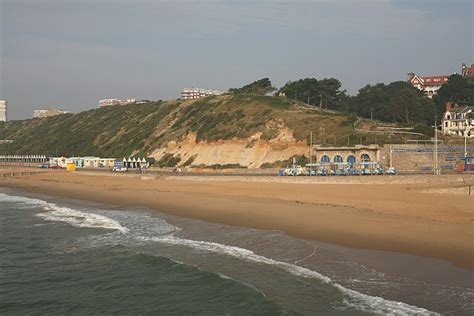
[[325, 158], [337, 158], [351, 160], [365, 158]]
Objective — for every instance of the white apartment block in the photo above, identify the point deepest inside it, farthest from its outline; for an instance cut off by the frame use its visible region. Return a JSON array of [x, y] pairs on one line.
[[47, 112], [3, 111], [109, 102], [458, 120], [196, 93]]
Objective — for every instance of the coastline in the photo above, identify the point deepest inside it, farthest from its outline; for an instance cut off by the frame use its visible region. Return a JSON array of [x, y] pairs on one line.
[[391, 216]]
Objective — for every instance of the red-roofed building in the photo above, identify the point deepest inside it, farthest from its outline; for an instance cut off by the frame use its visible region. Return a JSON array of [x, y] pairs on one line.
[[428, 84], [467, 71]]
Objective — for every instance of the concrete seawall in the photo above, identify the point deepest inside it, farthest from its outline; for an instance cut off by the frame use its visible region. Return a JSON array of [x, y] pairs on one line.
[[10, 174]]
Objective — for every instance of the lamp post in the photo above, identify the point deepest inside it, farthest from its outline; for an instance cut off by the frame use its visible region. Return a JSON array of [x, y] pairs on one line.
[[435, 154], [311, 154], [465, 132]]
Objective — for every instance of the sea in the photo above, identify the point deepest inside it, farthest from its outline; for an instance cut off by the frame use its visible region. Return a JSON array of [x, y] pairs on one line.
[[61, 256]]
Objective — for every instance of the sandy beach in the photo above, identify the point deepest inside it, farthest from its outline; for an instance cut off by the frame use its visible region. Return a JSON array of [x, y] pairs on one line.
[[422, 215]]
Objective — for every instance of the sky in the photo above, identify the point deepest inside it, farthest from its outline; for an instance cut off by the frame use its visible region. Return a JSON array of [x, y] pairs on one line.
[[69, 54]]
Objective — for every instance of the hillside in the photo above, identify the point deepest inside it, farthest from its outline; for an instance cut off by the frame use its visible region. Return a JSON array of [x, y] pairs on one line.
[[228, 130]]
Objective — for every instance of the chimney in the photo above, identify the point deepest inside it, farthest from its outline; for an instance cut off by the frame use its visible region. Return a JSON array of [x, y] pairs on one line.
[[449, 106]]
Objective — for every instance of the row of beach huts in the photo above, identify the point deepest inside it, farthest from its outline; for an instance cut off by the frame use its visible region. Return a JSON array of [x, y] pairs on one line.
[[71, 163]]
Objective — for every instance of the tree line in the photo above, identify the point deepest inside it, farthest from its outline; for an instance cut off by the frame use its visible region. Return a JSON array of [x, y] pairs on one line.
[[397, 102]]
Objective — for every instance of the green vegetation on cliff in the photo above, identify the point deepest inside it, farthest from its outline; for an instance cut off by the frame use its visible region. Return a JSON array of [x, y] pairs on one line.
[[259, 87], [140, 129]]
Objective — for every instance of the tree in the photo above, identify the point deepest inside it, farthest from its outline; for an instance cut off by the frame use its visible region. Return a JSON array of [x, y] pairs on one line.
[[326, 92], [397, 102], [258, 87], [458, 89]]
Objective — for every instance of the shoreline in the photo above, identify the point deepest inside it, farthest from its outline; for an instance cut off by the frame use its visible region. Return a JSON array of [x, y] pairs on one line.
[[389, 217]]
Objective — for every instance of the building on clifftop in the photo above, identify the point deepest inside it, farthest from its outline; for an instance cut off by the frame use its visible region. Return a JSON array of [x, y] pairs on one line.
[[467, 71], [3, 111], [428, 84], [109, 102], [196, 93]]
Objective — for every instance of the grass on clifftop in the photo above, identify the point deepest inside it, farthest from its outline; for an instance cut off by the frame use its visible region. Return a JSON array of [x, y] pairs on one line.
[[124, 130]]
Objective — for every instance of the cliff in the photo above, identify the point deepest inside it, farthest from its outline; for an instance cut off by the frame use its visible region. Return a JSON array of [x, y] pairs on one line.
[[229, 130]]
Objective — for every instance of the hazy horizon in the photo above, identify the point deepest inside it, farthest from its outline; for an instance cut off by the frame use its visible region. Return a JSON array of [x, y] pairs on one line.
[[70, 54]]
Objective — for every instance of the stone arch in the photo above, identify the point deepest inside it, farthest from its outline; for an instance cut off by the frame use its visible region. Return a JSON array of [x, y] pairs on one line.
[[337, 158], [325, 158], [365, 157]]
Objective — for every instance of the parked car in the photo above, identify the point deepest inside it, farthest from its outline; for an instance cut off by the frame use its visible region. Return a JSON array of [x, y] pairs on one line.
[[352, 172], [322, 172], [340, 172], [391, 171], [54, 166], [295, 171], [119, 169], [379, 171], [44, 166]]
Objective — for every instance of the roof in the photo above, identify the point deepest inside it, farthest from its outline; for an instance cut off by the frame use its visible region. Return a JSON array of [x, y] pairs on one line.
[[468, 71], [461, 109], [430, 80]]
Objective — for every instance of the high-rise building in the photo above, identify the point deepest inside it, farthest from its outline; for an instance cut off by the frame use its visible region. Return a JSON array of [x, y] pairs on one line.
[[3, 111]]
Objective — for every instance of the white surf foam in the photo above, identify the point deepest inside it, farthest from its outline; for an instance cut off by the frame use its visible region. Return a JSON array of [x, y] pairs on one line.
[[65, 214], [354, 299]]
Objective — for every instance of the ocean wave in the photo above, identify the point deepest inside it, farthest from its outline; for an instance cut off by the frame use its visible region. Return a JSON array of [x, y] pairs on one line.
[[352, 298], [64, 214], [137, 229]]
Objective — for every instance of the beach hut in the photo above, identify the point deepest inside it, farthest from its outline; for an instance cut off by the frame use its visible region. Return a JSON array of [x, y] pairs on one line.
[[143, 163]]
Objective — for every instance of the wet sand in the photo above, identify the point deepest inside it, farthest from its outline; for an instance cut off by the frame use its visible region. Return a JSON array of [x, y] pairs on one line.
[[403, 214]]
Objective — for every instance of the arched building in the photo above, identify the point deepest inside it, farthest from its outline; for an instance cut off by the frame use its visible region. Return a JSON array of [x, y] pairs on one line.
[[351, 155]]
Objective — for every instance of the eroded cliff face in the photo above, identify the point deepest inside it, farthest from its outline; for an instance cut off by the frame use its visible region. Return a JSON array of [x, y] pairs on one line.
[[252, 152]]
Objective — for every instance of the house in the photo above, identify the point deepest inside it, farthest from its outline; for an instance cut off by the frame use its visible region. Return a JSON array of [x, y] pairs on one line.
[[428, 84], [467, 71], [458, 120]]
